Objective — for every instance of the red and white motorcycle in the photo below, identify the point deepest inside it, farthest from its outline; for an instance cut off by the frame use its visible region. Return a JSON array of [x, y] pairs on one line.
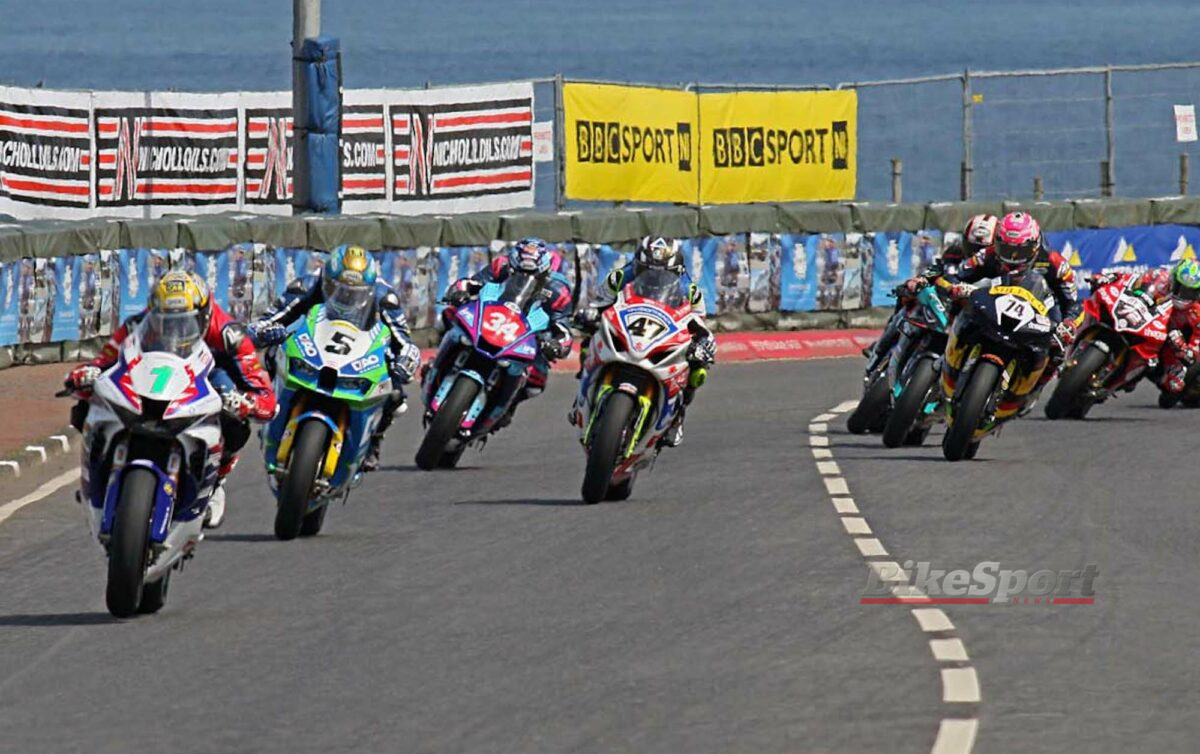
[[632, 383]]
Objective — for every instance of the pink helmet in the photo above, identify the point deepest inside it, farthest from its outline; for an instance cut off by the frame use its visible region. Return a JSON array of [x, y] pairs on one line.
[[1018, 241]]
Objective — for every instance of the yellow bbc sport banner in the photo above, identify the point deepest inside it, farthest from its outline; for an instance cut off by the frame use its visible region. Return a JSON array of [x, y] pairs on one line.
[[630, 143], [778, 146]]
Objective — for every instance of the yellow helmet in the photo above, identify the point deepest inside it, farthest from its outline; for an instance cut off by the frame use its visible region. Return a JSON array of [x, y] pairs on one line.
[[178, 313]]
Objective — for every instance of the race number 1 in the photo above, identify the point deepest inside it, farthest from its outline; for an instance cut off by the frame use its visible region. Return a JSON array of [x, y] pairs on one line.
[[162, 376]]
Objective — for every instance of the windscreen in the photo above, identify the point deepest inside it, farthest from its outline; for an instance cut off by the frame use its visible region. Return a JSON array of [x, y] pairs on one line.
[[659, 285], [520, 289], [174, 332]]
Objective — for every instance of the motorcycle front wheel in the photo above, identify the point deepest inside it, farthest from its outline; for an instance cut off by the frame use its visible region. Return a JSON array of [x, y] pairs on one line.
[[445, 423], [910, 404], [129, 546], [308, 451], [609, 437], [959, 437], [866, 415]]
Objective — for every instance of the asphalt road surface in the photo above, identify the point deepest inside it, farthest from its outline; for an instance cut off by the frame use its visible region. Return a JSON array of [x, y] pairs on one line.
[[485, 610]]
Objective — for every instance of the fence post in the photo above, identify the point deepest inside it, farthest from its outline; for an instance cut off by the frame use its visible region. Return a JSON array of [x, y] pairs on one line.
[[1183, 174], [1038, 189], [968, 166], [1106, 186], [897, 180], [560, 145], [1110, 152]]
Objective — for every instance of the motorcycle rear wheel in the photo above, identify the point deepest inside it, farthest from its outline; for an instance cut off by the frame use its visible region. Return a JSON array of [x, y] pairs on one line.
[[910, 404], [445, 423], [959, 437], [1067, 401], [865, 416], [609, 436], [308, 450], [129, 547]]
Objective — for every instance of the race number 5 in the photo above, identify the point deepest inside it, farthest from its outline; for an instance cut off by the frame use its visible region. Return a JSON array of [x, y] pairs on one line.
[[339, 344]]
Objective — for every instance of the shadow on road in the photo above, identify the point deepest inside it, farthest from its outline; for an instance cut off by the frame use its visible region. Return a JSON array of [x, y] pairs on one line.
[[524, 501], [247, 537], [57, 619]]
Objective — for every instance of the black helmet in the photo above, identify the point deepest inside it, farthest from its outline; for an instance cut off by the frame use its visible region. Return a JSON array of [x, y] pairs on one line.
[[658, 253]]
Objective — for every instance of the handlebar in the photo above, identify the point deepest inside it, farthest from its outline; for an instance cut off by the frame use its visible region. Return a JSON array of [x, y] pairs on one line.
[[64, 393]]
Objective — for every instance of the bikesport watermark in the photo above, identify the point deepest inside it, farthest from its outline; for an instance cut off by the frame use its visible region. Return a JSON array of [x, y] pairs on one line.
[[986, 584]]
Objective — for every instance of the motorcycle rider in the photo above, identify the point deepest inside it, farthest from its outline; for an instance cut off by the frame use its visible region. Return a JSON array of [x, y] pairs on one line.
[[1018, 249], [1181, 285], [180, 311], [978, 235], [660, 253], [348, 285], [530, 256]]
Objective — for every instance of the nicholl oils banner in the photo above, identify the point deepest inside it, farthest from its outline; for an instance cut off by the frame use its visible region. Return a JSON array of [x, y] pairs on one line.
[[777, 146], [630, 143]]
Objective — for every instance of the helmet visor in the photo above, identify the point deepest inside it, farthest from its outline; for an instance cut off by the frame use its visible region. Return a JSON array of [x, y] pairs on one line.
[[1019, 256], [172, 332], [349, 303], [1182, 294]]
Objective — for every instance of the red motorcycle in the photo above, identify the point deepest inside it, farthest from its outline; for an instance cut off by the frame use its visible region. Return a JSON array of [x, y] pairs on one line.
[[1122, 332]]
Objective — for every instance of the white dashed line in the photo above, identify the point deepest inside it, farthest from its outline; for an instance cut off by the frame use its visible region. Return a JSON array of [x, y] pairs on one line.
[[835, 485], [948, 650], [932, 619], [955, 736], [869, 547], [960, 685]]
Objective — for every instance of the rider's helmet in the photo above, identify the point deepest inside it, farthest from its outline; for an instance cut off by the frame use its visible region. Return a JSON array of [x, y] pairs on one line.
[[1185, 283], [979, 234], [178, 313], [658, 253], [348, 283], [1018, 241], [532, 256]]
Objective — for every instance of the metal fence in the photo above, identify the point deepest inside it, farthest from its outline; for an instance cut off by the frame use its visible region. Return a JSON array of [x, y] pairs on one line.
[[1058, 133]]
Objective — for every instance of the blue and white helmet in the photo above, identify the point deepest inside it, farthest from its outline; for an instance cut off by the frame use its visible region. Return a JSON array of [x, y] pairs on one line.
[[531, 255], [348, 282]]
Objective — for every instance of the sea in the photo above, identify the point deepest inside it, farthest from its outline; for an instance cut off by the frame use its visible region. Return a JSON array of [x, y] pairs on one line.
[[226, 45]]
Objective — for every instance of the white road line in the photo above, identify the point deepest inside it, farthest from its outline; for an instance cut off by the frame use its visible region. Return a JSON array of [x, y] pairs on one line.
[[844, 505], [960, 685], [835, 485], [932, 619], [828, 468], [47, 489], [948, 650], [869, 547], [955, 736], [856, 525]]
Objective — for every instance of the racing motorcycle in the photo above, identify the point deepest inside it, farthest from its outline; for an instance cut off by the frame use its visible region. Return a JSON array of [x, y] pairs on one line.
[[632, 383], [912, 370], [332, 388], [492, 338], [1122, 333], [999, 347], [150, 453]]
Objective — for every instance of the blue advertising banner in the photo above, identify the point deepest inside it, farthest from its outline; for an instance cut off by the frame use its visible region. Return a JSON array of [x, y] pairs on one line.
[[893, 263], [63, 303], [797, 274], [700, 255], [1136, 247], [763, 253], [9, 289], [89, 287]]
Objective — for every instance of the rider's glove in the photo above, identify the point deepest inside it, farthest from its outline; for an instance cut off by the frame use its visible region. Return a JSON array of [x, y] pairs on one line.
[[1065, 333], [461, 292], [961, 290], [83, 377], [913, 286], [1187, 356], [1175, 338], [703, 351], [1103, 278], [587, 317], [237, 404], [403, 365], [265, 334], [553, 348]]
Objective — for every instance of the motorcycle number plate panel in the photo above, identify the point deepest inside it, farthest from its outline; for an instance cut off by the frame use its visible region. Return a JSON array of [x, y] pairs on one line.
[[1131, 314], [646, 326], [160, 376], [1022, 312], [340, 343], [501, 326]]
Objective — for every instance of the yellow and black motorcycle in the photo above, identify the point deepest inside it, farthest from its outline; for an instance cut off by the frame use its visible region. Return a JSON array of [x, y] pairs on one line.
[[998, 349]]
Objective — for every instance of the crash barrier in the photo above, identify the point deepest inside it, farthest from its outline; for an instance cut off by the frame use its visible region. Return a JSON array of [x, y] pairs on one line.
[[761, 266]]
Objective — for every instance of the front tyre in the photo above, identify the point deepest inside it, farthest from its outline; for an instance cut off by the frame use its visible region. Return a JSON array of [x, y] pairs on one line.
[[154, 595], [129, 546], [446, 422], [609, 437], [959, 438], [308, 451], [869, 410], [910, 404], [1069, 399]]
